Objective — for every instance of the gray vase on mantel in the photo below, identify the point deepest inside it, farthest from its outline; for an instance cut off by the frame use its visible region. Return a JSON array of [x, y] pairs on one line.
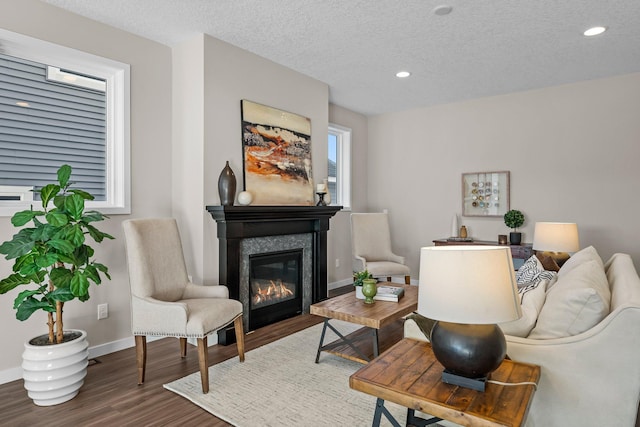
[[227, 186]]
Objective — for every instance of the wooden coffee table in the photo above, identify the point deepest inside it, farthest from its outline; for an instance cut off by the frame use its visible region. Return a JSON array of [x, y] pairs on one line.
[[374, 317], [409, 374]]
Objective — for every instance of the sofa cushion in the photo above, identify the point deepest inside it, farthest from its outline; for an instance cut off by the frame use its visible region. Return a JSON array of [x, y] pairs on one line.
[[532, 298], [532, 271], [579, 300], [587, 254]]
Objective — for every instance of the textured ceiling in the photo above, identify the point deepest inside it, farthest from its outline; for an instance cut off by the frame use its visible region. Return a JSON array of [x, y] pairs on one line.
[[481, 48]]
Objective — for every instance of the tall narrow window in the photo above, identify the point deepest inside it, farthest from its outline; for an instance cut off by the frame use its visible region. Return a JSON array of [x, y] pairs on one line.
[[62, 106], [339, 165]]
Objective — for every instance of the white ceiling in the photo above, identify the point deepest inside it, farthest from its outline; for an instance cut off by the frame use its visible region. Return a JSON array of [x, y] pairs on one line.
[[482, 48]]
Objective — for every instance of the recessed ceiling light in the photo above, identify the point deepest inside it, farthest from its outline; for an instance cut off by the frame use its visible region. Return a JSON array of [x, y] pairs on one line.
[[442, 10], [594, 31], [403, 74]]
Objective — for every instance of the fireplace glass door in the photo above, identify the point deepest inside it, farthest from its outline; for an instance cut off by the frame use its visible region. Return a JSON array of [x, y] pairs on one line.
[[275, 285]]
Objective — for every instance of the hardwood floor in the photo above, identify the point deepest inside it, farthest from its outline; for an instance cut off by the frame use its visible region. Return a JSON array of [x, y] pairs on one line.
[[110, 395]]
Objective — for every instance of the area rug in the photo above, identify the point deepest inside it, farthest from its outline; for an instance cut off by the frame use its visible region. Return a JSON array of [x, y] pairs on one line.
[[280, 384]]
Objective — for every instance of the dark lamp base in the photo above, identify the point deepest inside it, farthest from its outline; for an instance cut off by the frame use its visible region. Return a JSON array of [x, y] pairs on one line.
[[469, 353], [472, 383]]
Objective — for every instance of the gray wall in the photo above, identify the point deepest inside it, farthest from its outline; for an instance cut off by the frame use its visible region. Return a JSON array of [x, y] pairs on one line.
[[339, 240], [150, 157], [572, 151]]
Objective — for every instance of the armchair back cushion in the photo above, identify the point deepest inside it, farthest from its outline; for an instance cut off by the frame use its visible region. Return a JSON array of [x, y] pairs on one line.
[[157, 269], [370, 236]]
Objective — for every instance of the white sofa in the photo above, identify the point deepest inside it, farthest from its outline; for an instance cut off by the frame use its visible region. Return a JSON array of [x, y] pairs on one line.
[[591, 378]]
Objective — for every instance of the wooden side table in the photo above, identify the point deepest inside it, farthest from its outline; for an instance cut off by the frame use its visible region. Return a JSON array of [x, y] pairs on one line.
[[374, 317], [409, 374]]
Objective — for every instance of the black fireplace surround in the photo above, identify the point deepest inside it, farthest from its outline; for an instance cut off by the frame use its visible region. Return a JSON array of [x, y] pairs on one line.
[[237, 223]]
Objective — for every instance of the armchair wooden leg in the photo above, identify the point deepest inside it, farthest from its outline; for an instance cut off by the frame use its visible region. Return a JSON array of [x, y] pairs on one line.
[[239, 329], [183, 347], [407, 280], [141, 356], [388, 278], [203, 360]]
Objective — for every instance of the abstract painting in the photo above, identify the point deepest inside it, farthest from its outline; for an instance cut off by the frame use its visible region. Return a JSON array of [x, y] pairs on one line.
[[276, 150]]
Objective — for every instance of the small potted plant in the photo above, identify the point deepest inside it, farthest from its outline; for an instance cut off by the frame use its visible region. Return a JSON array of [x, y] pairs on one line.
[[54, 261], [514, 219], [359, 276], [358, 281]]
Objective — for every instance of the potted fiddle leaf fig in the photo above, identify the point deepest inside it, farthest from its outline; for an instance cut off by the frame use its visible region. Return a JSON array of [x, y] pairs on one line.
[[514, 219], [54, 262]]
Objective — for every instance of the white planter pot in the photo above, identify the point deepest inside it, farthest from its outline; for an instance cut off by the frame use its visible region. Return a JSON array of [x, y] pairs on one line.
[[359, 292], [53, 374]]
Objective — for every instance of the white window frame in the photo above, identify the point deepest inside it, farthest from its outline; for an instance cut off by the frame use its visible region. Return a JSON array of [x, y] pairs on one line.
[[21, 192], [117, 76], [343, 165]]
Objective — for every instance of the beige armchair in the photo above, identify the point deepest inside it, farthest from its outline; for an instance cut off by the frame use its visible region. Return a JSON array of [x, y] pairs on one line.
[[165, 303], [371, 246]]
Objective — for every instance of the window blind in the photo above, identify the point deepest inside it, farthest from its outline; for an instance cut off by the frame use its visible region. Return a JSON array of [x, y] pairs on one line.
[[45, 124]]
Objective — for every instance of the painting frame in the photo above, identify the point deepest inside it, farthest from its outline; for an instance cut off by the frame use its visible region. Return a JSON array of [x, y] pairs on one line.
[[485, 194], [276, 155]]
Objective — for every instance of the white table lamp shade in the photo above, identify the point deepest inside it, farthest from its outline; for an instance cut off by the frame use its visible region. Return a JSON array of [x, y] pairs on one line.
[[468, 284], [556, 237]]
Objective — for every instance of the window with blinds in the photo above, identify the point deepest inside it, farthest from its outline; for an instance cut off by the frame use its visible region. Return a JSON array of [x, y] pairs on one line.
[[49, 117]]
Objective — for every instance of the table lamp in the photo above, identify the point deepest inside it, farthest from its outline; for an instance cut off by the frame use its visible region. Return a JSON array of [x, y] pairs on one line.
[[467, 290], [556, 239]]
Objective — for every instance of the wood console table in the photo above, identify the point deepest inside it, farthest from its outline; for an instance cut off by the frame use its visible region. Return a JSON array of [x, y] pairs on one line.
[[519, 253]]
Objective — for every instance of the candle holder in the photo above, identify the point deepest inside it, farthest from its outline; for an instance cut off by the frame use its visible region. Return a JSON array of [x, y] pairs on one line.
[[321, 201]]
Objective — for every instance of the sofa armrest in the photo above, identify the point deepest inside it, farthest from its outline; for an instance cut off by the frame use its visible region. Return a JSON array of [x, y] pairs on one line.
[[595, 369]]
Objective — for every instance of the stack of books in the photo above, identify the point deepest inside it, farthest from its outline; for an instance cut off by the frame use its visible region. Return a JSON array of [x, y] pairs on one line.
[[389, 293]]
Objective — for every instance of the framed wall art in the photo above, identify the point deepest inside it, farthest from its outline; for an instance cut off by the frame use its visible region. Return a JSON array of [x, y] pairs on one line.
[[276, 150], [485, 193]]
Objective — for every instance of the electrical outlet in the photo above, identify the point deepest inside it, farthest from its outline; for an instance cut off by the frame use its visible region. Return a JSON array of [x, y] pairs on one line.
[[103, 311], [337, 262]]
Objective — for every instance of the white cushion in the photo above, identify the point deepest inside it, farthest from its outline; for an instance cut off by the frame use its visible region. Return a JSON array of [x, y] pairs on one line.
[[578, 300], [387, 268], [531, 301], [532, 271], [580, 257]]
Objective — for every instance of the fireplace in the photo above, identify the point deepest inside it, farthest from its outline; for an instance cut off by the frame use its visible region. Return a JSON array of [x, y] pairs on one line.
[[275, 287], [270, 241]]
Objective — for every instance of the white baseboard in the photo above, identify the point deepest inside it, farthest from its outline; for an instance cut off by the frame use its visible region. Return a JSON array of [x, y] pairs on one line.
[[13, 374], [339, 284]]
